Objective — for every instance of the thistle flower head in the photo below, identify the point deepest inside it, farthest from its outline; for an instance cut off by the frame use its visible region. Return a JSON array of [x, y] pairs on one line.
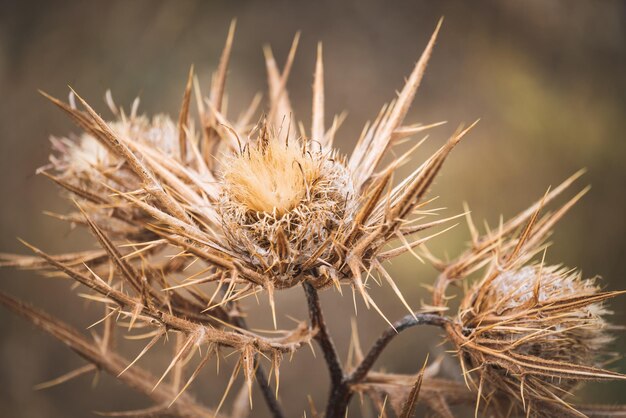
[[244, 207], [89, 160], [526, 333], [281, 202], [92, 171], [532, 334]]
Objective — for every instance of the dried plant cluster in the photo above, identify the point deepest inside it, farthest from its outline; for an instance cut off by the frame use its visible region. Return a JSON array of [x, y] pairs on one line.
[[192, 217]]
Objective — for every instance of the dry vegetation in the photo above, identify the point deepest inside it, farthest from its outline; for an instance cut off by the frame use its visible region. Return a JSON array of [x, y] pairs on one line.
[[192, 217]]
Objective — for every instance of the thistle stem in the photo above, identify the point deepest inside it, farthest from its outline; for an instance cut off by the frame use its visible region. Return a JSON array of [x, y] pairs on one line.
[[379, 346], [268, 394], [340, 390]]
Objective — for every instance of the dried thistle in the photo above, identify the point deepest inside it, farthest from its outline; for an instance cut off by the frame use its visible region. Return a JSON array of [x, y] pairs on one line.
[[192, 221], [92, 171], [526, 333], [533, 334]]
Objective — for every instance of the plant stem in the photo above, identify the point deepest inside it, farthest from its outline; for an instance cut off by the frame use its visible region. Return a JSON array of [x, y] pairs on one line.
[[340, 390], [268, 393], [360, 372], [379, 346]]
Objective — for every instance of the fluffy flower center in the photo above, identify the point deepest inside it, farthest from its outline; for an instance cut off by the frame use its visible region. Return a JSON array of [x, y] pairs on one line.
[[271, 178]]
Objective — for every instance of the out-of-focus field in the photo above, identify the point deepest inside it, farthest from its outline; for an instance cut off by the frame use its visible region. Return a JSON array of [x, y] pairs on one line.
[[547, 80]]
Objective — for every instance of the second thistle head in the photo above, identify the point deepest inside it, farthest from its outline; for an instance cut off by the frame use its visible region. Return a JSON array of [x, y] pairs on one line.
[[532, 334]]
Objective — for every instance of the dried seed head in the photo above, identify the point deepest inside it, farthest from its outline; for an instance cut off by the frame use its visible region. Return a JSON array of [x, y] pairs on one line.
[[263, 212], [532, 334], [282, 201], [574, 336], [86, 164], [88, 160]]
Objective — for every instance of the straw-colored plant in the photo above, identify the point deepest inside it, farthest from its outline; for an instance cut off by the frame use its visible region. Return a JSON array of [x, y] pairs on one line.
[[194, 217]]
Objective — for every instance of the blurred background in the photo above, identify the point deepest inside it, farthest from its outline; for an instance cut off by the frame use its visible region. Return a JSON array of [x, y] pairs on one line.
[[547, 80]]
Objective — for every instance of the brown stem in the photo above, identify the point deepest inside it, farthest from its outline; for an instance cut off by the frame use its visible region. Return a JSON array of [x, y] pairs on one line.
[[343, 398], [379, 346], [339, 391]]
